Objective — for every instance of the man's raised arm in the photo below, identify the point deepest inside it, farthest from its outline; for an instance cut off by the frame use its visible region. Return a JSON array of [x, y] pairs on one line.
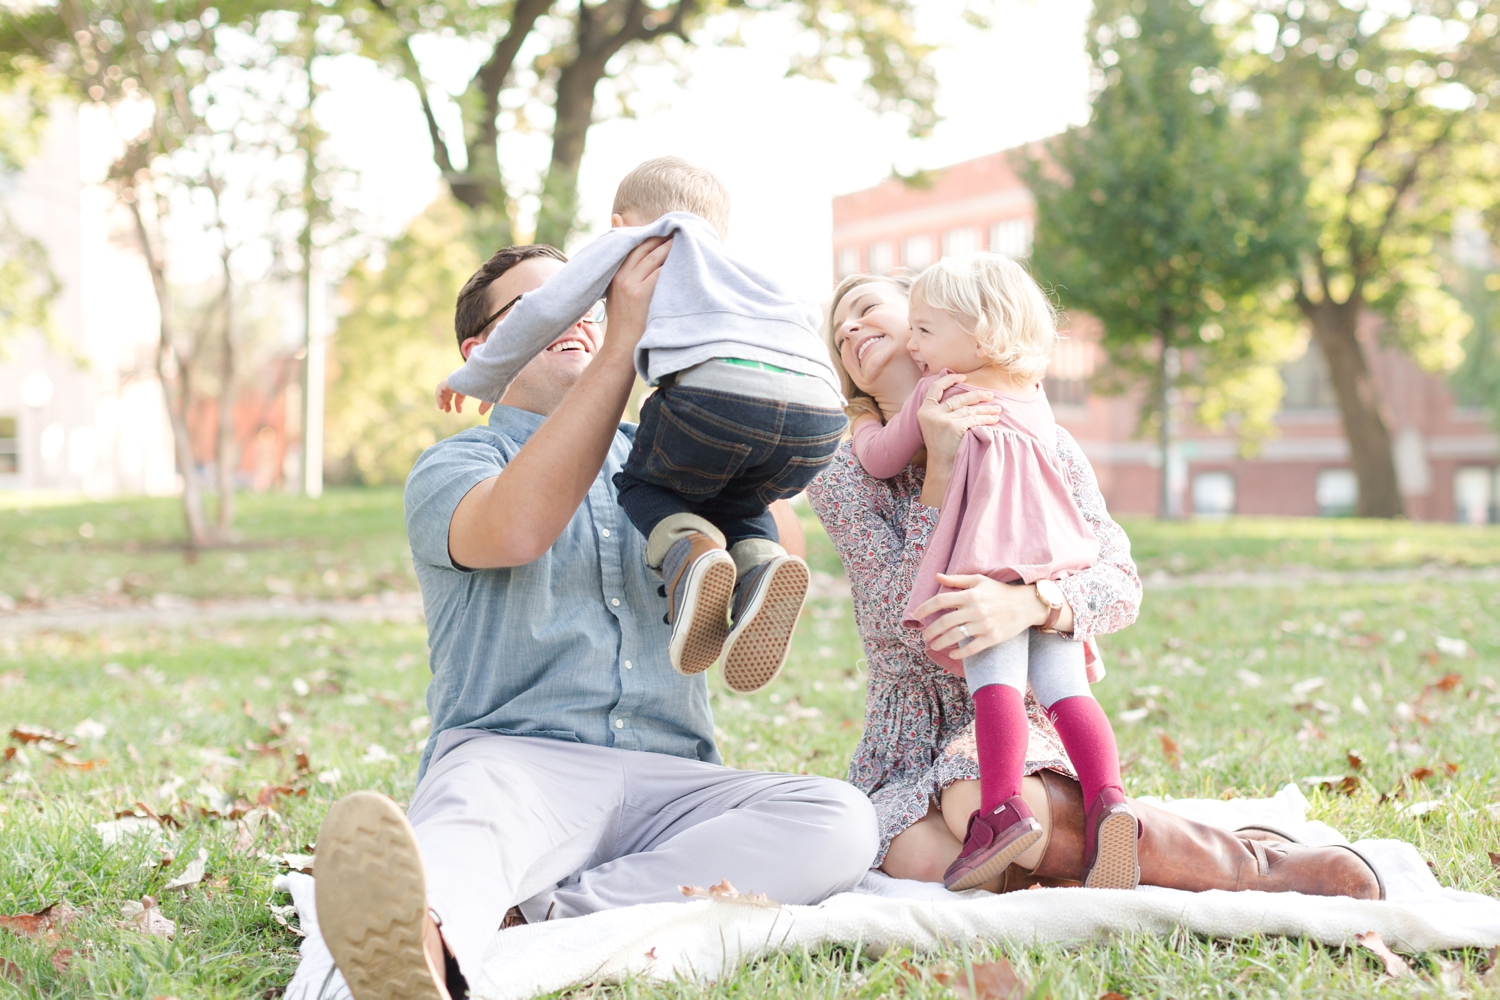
[[512, 518]]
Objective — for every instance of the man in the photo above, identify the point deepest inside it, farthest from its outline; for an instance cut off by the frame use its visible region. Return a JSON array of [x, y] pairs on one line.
[[570, 769]]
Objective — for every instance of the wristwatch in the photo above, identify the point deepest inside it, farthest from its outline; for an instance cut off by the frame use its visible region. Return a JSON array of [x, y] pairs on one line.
[[1051, 595]]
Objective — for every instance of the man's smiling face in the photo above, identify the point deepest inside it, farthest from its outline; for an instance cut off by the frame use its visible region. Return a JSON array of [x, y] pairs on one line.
[[541, 385]]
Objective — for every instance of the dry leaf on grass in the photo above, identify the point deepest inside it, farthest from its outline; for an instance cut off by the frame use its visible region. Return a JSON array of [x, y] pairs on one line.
[[725, 892], [47, 923], [144, 916], [61, 959], [1355, 760], [282, 914], [1495, 861], [42, 735], [11, 971], [1170, 750], [1112, 995], [1395, 965], [193, 873], [296, 862], [118, 831], [992, 981]]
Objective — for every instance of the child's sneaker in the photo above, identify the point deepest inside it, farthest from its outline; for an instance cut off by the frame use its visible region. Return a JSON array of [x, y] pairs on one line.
[[767, 600], [992, 843], [1110, 833], [698, 581]]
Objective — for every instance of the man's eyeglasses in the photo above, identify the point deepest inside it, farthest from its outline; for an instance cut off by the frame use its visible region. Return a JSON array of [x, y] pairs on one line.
[[595, 315]]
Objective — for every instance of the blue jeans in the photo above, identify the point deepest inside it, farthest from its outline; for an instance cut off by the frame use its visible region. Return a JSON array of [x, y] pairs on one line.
[[724, 457]]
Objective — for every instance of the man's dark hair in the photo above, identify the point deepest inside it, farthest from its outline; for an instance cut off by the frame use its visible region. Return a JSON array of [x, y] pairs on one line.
[[472, 309]]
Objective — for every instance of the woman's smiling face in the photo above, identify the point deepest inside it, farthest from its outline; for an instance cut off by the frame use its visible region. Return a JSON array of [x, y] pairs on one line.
[[870, 332]]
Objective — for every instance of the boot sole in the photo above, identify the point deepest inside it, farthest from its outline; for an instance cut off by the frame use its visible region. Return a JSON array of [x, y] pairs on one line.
[[372, 900], [757, 648], [992, 868], [699, 633], [1116, 865]]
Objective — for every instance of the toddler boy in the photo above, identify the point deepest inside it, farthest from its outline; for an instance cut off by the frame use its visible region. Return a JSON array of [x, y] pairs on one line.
[[747, 410]]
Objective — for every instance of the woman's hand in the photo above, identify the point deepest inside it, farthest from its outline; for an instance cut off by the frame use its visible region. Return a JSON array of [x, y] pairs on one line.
[[990, 612], [629, 298], [944, 423]]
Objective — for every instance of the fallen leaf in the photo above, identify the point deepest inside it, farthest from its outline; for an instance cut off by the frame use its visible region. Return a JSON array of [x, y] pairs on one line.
[[1450, 768], [1349, 785], [192, 874], [1170, 750], [1112, 995], [302, 762], [282, 915], [296, 862], [1494, 861], [1355, 760], [1489, 972], [144, 916], [68, 760], [61, 959], [725, 892], [1450, 972], [1421, 774], [651, 954], [991, 981], [118, 831], [10, 752], [244, 841], [268, 795], [47, 922], [1451, 647], [10, 970], [41, 734], [1395, 965]]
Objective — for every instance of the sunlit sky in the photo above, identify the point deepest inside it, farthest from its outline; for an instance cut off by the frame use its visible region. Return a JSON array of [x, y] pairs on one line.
[[783, 146]]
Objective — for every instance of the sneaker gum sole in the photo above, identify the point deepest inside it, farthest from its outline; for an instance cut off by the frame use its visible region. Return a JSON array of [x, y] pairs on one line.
[[1115, 866], [994, 866], [756, 652], [698, 640], [372, 900]]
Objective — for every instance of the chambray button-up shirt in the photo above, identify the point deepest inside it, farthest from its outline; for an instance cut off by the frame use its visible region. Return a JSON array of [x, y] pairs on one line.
[[569, 647]]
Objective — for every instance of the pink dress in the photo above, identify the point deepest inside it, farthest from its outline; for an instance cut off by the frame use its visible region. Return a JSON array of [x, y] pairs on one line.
[[1008, 513]]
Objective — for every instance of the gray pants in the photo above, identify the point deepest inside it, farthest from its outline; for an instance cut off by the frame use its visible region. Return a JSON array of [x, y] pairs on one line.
[[1051, 662], [565, 829]]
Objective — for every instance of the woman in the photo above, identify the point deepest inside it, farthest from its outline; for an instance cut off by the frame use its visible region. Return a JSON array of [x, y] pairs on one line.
[[916, 759]]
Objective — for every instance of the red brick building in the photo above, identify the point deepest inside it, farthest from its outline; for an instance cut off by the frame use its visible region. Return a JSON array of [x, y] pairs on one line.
[[1447, 456]]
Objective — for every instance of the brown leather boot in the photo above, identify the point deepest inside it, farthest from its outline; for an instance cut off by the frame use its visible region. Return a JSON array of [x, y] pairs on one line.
[[1177, 853]]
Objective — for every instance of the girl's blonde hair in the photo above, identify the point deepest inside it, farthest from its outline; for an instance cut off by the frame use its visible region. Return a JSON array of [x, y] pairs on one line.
[[1014, 322], [860, 402]]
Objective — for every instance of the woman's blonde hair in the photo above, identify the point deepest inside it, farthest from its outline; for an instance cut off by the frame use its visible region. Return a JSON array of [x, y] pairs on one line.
[[860, 402], [1014, 322]]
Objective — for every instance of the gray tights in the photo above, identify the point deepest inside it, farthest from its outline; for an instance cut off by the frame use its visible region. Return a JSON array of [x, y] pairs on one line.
[[1052, 663]]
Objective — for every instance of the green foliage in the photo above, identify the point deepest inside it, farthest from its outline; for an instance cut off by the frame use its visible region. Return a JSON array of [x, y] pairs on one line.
[[1477, 379], [1171, 215], [27, 284], [394, 346], [1396, 107]]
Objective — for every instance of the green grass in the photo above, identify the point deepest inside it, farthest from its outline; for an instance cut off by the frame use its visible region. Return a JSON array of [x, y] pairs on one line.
[[347, 544], [1213, 671]]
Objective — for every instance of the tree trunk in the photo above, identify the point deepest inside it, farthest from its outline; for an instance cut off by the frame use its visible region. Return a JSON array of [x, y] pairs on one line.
[[226, 452], [1335, 328], [1167, 370], [172, 376], [575, 113]]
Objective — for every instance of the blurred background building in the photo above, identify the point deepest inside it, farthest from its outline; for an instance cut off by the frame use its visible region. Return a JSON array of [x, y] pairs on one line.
[[1446, 455]]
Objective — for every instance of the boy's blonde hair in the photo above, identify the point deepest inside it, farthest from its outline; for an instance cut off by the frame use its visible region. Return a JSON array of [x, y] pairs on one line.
[[1014, 322], [672, 184]]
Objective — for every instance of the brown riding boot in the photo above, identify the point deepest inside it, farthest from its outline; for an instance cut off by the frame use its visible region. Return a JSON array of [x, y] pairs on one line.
[[1177, 853]]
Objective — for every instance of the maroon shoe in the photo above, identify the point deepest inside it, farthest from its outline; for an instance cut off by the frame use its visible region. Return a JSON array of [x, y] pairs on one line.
[[1110, 834], [992, 843]]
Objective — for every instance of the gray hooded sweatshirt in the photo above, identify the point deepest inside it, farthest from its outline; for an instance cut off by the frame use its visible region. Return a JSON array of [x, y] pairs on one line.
[[706, 305]]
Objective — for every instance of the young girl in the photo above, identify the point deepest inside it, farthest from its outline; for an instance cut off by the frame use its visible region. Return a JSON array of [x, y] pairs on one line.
[[1009, 515]]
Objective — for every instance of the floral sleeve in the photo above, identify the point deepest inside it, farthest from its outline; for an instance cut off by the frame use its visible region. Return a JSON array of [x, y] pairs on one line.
[[1107, 596]]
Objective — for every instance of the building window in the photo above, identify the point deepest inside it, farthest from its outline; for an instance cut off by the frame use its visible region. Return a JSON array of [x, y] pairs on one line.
[[881, 260], [848, 262], [1011, 237], [10, 447], [962, 240], [1476, 495], [1067, 391], [1307, 384], [916, 251], [1337, 492], [1213, 494]]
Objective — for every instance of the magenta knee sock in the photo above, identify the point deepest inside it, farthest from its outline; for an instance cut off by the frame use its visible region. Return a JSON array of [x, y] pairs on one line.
[[1000, 733], [1090, 742]]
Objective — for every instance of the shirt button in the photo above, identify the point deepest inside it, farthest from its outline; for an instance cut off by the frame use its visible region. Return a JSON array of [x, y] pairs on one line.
[[605, 532], [614, 602], [619, 723], [629, 665]]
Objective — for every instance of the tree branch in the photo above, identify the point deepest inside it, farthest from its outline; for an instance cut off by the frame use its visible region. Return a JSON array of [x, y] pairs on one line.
[[1387, 123], [1402, 186], [493, 74]]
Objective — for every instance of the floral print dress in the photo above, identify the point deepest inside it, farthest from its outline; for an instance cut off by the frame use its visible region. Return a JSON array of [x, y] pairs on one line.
[[919, 719]]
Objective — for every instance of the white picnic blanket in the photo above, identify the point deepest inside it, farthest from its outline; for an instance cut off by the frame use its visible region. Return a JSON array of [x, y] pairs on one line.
[[704, 940]]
